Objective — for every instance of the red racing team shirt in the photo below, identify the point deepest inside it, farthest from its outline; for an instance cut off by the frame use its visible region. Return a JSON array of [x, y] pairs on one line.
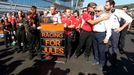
[[13, 20], [68, 21], [77, 21], [87, 26]]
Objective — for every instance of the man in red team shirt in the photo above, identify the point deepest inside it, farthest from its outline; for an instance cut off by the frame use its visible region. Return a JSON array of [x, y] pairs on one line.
[[86, 34], [77, 21], [67, 20], [13, 22]]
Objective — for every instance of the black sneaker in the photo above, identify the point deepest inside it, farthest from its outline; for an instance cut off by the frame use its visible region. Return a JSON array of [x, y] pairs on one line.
[[114, 59], [24, 50], [105, 69], [121, 51], [31, 56], [7, 46], [19, 50]]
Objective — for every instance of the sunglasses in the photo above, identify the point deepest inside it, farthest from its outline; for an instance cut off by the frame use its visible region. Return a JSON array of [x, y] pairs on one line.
[[98, 11]]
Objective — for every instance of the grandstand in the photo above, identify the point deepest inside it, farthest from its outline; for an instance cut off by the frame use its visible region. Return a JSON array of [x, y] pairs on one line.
[[8, 7]]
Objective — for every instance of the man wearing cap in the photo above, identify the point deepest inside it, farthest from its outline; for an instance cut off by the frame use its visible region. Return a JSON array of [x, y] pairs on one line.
[[102, 33], [86, 34]]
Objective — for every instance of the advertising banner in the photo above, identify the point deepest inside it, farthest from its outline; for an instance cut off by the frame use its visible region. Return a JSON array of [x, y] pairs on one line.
[[52, 39]]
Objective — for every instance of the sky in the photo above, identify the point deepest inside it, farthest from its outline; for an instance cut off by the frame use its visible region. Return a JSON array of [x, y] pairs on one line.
[[102, 2]]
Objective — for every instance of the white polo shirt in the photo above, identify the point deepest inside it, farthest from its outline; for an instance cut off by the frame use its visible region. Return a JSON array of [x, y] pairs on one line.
[[103, 26], [116, 16], [56, 18]]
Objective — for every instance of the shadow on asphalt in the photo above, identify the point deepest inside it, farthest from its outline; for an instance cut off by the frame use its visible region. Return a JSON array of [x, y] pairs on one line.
[[80, 73], [12, 66], [4, 58], [132, 40], [44, 68], [7, 69], [3, 67], [125, 66], [6, 53], [4, 50]]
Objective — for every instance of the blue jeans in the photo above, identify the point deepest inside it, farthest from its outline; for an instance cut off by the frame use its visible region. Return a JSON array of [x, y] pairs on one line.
[[99, 47]]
